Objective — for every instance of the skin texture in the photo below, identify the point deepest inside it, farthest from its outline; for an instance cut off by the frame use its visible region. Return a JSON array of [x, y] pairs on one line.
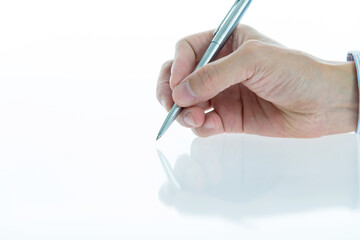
[[258, 86]]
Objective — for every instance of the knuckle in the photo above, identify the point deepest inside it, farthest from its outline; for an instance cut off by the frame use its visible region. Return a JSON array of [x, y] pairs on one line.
[[184, 44], [159, 93], [256, 51], [253, 45], [243, 28], [243, 32], [162, 91], [180, 43], [166, 65]]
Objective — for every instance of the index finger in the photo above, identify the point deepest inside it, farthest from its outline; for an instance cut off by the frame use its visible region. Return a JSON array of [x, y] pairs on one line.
[[188, 52]]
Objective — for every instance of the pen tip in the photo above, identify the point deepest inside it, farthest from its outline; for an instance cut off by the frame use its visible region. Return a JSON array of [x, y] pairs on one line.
[[158, 137]]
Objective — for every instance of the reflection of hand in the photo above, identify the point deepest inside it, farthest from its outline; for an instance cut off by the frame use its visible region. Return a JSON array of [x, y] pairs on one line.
[[242, 174], [258, 86]]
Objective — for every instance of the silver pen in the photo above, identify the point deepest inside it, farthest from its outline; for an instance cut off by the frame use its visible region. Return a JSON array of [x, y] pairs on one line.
[[221, 35]]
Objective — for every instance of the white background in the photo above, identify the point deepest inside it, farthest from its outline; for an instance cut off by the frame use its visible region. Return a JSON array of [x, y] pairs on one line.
[[78, 119]]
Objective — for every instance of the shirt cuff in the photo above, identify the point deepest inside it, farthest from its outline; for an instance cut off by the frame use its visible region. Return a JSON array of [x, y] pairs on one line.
[[357, 200], [354, 56]]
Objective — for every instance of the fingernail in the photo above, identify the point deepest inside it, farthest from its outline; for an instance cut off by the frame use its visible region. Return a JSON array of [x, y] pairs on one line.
[[189, 119], [172, 68], [163, 103], [209, 125], [170, 83], [184, 93], [171, 77]]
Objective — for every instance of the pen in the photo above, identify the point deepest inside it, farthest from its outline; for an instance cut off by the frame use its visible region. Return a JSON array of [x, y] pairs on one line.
[[221, 35], [168, 170]]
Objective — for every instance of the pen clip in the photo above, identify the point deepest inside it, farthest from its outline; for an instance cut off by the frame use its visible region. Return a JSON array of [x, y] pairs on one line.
[[226, 17]]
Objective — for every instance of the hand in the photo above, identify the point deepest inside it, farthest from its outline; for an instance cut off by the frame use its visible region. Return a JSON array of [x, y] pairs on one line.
[[258, 86]]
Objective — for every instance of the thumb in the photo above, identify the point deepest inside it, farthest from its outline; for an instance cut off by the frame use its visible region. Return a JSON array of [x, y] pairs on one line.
[[208, 81]]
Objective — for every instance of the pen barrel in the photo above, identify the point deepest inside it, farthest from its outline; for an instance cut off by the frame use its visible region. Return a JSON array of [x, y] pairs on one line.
[[224, 31], [231, 21], [173, 113], [222, 34], [209, 55]]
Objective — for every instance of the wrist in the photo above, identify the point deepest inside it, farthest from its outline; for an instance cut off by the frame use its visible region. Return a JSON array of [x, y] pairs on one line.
[[342, 97]]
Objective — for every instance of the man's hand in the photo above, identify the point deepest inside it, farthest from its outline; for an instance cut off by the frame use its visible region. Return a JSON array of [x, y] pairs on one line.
[[258, 86]]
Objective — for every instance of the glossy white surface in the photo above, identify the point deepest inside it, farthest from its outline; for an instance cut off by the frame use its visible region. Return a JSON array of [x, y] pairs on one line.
[[78, 121]]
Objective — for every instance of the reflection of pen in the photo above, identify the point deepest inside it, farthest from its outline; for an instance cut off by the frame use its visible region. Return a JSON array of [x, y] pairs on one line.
[[221, 35], [168, 170]]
